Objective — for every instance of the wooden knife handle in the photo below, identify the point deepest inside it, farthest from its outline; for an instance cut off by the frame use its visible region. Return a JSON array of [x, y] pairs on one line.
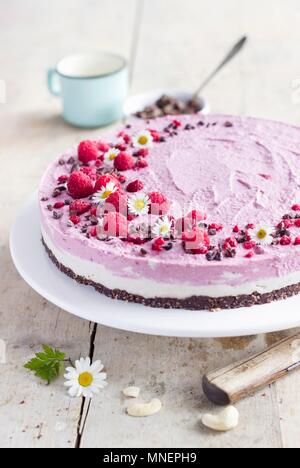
[[238, 380]]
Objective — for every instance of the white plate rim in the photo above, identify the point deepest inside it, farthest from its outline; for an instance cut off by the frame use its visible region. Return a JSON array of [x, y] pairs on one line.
[[266, 318]]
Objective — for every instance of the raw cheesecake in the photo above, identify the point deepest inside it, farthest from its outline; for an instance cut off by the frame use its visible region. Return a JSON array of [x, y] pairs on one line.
[[193, 212]]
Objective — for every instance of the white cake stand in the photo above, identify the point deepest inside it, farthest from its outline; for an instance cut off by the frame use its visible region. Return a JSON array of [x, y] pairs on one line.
[[38, 271]]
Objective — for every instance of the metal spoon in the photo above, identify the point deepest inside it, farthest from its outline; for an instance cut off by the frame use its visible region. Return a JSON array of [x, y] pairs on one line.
[[233, 52]]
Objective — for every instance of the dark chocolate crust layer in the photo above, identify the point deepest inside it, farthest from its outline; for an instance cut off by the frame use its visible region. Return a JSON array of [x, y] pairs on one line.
[[191, 303]]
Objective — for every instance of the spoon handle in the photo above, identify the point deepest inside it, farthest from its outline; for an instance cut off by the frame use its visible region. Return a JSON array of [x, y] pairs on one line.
[[233, 52]]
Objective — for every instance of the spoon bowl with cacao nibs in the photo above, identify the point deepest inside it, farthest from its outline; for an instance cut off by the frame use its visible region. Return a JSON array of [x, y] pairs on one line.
[[164, 102]]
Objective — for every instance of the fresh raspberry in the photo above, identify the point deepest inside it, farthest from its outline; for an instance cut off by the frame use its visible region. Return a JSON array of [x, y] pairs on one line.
[[176, 123], [296, 207], [103, 147], [94, 211], [297, 223], [236, 229], [196, 241], [119, 201], [103, 180], [121, 178], [249, 254], [135, 186], [75, 219], [63, 179], [127, 139], [115, 225], [142, 163], [124, 162], [79, 207], [231, 242], [89, 171], [159, 204], [249, 245], [216, 227], [158, 244], [93, 232], [58, 205], [80, 185], [99, 162], [121, 147], [297, 241], [87, 151], [155, 135], [142, 153], [286, 224], [285, 240], [250, 226], [131, 217]]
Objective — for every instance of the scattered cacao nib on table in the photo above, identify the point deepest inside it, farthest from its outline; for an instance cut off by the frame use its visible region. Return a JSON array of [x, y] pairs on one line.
[[168, 105]]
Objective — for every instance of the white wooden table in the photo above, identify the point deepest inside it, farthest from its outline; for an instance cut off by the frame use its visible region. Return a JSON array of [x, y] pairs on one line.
[[169, 43]]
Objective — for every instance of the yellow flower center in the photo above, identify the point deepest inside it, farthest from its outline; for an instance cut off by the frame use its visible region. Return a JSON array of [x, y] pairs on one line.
[[139, 205], [106, 194], [86, 379], [112, 156], [164, 229], [262, 233], [143, 140]]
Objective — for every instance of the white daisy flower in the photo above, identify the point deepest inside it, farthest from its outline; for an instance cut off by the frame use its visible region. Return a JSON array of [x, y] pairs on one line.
[[143, 140], [102, 195], [85, 379], [162, 227], [262, 235], [111, 155], [138, 204]]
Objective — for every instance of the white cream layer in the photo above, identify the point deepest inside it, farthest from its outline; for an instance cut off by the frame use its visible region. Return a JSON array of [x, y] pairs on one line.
[[151, 289]]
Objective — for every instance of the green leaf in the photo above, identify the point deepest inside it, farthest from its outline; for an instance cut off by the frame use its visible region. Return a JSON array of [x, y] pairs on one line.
[[47, 365]]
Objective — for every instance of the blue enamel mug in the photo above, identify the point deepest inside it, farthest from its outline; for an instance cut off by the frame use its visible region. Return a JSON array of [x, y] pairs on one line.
[[93, 88]]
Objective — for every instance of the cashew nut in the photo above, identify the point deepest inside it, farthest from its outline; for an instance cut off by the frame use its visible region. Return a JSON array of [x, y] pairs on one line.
[[131, 392], [144, 409], [224, 421]]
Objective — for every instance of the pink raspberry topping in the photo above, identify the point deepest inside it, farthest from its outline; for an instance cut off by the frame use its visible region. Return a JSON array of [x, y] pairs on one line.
[[285, 240], [297, 241], [87, 151], [124, 162], [58, 205], [249, 254], [230, 243], [103, 147], [216, 227], [249, 245], [158, 244], [75, 219], [297, 223], [63, 179], [142, 163], [135, 186], [79, 207], [103, 180], [89, 171], [80, 185], [142, 153], [296, 207]]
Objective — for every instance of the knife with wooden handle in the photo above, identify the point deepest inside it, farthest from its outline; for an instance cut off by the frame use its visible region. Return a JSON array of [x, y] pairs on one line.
[[236, 381]]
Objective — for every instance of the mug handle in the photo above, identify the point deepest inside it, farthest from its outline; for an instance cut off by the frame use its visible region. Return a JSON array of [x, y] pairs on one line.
[[53, 83]]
